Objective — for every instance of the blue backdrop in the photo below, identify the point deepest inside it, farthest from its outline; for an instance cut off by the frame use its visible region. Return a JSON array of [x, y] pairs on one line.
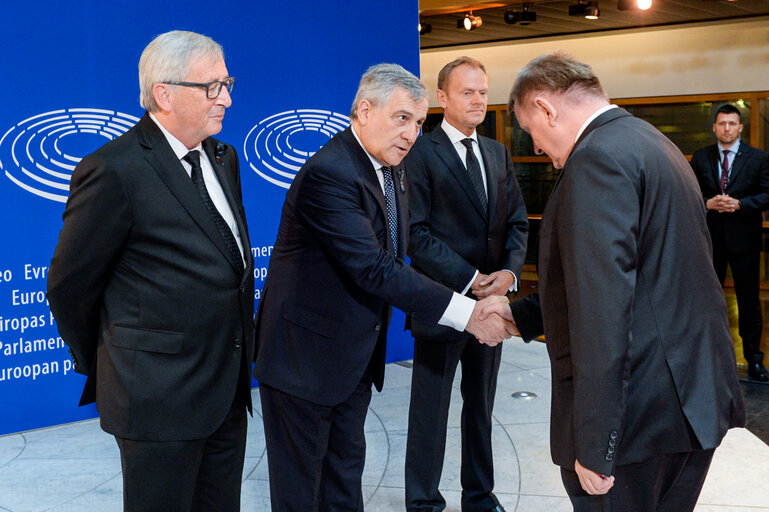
[[70, 84]]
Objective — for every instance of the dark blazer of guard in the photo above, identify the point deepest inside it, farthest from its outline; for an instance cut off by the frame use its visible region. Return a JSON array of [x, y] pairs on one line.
[[451, 235], [749, 182], [145, 293], [634, 316], [333, 276]]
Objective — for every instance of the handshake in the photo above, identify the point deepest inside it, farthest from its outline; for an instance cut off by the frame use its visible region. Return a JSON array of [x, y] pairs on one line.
[[492, 321]]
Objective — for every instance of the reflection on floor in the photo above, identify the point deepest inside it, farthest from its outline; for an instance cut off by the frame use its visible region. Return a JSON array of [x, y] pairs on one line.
[[77, 468]]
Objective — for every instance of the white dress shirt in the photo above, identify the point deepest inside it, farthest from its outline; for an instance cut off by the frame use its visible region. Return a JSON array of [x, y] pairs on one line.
[[209, 178]]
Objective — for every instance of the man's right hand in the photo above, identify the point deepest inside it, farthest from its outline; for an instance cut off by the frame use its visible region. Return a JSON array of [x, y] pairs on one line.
[[492, 328]]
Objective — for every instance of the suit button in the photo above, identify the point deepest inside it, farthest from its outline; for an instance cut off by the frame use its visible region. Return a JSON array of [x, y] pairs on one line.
[[242, 289], [612, 442], [610, 450], [377, 327], [613, 434], [237, 342], [609, 457]]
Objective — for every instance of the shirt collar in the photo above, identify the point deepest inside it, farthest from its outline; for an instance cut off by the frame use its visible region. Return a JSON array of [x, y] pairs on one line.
[[733, 148], [178, 147], [591, 118], [455, 135], [376, 163]]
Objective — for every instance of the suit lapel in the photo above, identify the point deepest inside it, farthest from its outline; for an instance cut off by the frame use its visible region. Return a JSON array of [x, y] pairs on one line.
[[224, 176], [739, 162], [715, 168], [446, 152], [369, 178], [401, 199], [163, 160]]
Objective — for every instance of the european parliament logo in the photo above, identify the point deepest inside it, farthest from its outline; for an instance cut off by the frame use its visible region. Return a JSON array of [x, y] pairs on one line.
[[39, 153], [278, 146]]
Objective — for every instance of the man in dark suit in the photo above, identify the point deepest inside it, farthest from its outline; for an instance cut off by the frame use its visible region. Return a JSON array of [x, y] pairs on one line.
[[151, 286], [644, 384], [468, 232], [734, 179], [336, 267]]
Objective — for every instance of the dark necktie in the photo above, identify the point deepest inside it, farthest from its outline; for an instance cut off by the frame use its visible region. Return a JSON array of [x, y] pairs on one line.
[[392, 209], [193, 157], [725, 171], [474, 171]]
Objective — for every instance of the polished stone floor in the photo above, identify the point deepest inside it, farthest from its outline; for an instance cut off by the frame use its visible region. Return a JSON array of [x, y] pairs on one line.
[[76, 467]]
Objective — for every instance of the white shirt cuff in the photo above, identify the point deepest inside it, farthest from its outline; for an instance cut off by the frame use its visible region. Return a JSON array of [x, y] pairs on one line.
[[467, 288], [458, 312], [514, 286]]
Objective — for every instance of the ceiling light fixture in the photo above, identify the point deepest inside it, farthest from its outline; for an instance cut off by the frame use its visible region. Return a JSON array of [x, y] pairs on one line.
[[523, 18], [632, 5], [469, 22], [587, 9]]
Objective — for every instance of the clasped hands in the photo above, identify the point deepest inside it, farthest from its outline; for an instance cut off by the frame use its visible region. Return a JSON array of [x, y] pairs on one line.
[[723, 203], [492, 321]]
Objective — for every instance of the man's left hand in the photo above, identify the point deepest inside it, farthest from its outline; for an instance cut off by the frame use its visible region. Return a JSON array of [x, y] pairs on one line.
[[592, 482], [496, 283]]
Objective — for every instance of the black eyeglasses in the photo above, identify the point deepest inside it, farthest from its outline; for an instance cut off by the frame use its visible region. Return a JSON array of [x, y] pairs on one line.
[[213, 89]]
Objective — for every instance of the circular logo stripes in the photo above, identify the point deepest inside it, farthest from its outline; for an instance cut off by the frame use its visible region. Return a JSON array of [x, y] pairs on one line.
[[278, 146], [39, 153]]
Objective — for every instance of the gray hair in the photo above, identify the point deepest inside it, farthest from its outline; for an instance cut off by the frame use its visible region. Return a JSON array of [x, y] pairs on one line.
[[555, 72], [378, 83], [167, 59]]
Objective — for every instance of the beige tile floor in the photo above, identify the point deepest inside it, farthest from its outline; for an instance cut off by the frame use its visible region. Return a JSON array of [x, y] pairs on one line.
[[76, 467]]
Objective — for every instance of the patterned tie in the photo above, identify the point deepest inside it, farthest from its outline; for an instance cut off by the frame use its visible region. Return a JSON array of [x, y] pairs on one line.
[[193, 157], [392, 209], [474, 170], [725, 171]]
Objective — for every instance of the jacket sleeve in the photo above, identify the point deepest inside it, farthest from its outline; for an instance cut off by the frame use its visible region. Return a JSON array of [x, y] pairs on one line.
[[96, 225], [598, 244], [517, 221], [329, 202]]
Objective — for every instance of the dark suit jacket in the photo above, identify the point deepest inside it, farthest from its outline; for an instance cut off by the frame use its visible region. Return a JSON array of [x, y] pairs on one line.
[[749, 182], [451, 235], [333, 276], [634, 316], [144, 291]]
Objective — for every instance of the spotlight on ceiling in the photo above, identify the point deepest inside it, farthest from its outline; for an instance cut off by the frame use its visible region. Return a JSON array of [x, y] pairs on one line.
[[523, 18], [424, 28], [631, 5], [469, 22], [587, 9]]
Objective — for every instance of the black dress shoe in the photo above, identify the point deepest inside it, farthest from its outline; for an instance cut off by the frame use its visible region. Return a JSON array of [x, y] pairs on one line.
[[756, 371], [498, 508]]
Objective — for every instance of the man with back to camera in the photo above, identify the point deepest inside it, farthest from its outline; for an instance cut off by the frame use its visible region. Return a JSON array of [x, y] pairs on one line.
[[151, 285], [734, 179], [336, 267], [644, 384], [468, 231]]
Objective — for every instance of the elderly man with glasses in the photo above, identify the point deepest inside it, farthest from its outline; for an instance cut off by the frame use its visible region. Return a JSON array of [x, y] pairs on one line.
[[151, 286]]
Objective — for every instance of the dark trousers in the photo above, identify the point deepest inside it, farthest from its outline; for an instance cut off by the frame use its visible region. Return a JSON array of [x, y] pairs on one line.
[[746, 273], [665, 483], [202, 475], [315, 453], [435, 364]]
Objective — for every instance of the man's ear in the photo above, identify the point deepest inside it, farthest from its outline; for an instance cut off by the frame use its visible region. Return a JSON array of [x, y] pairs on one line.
[[547, 108], [364, 110], [163, 96], [442, 99]]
